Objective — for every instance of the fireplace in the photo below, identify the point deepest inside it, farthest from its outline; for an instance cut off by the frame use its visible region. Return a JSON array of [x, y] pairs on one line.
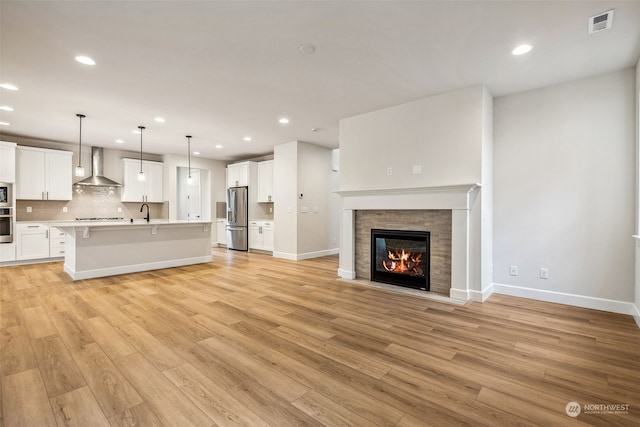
[[400, 257]]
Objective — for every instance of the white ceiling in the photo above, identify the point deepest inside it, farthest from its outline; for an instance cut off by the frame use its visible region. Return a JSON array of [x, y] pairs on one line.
[[222, 70]]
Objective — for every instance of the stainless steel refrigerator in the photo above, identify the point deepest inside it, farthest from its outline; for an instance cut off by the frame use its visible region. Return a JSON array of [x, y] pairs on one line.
[[237, 218]]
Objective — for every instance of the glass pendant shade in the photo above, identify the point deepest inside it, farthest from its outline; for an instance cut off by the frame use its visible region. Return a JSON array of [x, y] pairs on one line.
[[79, 171], [141, 176]]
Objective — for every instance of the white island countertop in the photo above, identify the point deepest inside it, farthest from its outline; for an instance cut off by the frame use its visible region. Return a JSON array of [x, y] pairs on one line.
[[106, 248]]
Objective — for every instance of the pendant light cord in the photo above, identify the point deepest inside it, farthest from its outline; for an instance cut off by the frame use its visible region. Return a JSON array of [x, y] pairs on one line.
[[189, 153], [80, 116], [141, 129]]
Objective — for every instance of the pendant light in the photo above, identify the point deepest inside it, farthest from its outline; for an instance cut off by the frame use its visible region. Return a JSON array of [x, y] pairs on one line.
[[79, 168], [141, 176], [189, 179]]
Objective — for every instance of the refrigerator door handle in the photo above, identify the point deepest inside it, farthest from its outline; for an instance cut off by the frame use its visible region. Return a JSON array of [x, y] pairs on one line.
[[234, 229]]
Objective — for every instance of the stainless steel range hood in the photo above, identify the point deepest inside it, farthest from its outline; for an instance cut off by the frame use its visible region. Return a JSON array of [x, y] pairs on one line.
[[97, 179]]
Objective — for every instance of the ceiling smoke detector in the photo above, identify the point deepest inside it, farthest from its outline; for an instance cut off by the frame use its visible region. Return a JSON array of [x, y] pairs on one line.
[[307, 48], [601, 21]]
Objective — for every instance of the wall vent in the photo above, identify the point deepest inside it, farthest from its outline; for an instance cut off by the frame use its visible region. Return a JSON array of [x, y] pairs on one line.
[[601, 21]]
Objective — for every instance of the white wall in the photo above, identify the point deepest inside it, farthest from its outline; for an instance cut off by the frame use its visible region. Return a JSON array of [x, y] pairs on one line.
[[303, 179], [285, 200], [442, 133], [314, 183], [564, 187], [213, 182], [637, 276]]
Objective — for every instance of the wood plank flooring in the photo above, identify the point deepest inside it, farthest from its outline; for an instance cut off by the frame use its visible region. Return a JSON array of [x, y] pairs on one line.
[[249, 340]]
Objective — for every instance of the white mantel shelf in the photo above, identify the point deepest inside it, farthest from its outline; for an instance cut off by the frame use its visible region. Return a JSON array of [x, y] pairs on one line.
[[99, 249], [414, 190], [457, 198]]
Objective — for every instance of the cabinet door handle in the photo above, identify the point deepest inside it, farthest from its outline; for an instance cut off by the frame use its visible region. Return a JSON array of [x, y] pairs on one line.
[[47, 234], [43, 195], [33, 226], [47, 195]]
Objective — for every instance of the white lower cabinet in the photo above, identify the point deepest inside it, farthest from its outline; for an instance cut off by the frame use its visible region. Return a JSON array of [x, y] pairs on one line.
[[7, 252], [221, 231], [261, 235], [32, 241], [56, 242]]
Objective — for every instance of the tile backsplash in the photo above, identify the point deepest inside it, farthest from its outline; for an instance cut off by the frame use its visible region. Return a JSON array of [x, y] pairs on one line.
[[87, 202]]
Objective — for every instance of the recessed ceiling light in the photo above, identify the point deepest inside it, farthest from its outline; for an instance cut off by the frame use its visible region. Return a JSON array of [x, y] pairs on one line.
[[196, 153], [218, 146], [136, 131], [247, 138], [85, 60], [522, 49], [119, 141], [4, 123], [160, 119], [8, 86], [6, 108], [283, 121]]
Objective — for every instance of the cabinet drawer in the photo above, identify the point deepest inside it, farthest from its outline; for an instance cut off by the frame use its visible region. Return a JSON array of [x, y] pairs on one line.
[[56, 252], [56, 243], [56, 233]]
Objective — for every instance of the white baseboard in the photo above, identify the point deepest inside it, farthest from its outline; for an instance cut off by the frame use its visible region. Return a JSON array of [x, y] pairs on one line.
[[346, 274], [636, 314], [307, 255], [134, 268], [604, 304], [481, 296]]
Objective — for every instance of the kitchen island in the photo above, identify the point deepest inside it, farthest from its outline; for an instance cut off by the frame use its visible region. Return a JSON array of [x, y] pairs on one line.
[[99, 249]]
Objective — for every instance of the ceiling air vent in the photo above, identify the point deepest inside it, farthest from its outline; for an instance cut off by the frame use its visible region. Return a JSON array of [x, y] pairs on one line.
[[601, 21]]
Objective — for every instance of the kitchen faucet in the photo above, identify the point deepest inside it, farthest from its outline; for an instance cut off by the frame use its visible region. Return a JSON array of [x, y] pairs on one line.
[[148, 211]]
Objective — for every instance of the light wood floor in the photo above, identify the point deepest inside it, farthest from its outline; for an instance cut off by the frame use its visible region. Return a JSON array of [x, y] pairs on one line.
[[252, 340]]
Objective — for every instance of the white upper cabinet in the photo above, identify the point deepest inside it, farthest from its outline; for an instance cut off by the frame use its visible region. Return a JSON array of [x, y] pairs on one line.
[[238, 175], [43, 174], [265, 181], [7, 162], [149, 190]]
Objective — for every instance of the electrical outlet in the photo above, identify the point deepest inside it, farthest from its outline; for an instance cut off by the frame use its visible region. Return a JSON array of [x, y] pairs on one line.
[[65, 209], [417, 169], [544, 273], [119, 209], [270, 209], [29, 209], [389, 171], [513, 270]]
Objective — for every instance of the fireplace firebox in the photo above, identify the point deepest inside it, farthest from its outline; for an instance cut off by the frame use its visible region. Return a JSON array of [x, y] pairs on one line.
[[400, 257]]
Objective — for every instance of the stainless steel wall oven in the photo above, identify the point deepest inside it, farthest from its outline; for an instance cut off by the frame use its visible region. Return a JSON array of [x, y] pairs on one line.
[[6, 213]]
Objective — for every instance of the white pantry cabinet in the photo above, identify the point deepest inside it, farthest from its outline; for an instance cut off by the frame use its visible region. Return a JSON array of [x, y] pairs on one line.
[[43, 174], [149, 190], [261, 235], [32, 241], [265, 181], [7, 162], [221, 231]]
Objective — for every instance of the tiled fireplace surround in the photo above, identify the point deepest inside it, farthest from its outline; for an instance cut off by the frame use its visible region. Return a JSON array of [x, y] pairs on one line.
[[443, 211]]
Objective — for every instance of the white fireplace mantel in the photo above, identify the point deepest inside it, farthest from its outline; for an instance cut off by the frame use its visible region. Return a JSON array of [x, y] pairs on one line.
[[457, 198]]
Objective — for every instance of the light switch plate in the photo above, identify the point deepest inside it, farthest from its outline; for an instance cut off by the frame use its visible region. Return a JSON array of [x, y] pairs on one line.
[[29, 209]]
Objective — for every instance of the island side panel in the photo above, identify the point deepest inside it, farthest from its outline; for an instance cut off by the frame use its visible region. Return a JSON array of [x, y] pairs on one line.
[[107, 251]]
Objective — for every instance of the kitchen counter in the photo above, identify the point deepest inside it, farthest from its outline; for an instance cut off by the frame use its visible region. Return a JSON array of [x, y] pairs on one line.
[[106, 248]]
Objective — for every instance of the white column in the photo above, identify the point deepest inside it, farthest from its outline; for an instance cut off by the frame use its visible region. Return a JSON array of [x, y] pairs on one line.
[[459, 254], [347, 266]]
